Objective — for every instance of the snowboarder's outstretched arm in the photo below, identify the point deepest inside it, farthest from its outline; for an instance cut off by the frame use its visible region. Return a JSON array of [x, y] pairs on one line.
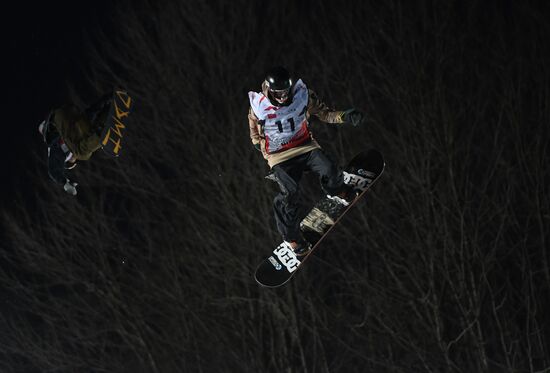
[[255, 136], [324, 113]]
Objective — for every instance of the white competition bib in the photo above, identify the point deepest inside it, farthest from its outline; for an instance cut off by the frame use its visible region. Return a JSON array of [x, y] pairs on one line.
[[285, 127]]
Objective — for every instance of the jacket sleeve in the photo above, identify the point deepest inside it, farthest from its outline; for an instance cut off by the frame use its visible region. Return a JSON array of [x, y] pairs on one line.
[[322, 111], [253, 127], [56, 163], [256, 133]]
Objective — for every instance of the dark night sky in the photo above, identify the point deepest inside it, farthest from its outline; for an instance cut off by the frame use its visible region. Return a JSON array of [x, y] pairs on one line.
[[446, 266], [42, 53]]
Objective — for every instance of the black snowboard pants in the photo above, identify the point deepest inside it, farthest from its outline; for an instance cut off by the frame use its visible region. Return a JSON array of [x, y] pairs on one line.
[[287, 205]]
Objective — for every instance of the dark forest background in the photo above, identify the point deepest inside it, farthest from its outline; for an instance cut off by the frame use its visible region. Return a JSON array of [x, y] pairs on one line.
[[442, 268]]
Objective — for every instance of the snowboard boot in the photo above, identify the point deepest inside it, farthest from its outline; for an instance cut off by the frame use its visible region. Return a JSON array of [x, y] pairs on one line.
[[301, 247], [346, 195]]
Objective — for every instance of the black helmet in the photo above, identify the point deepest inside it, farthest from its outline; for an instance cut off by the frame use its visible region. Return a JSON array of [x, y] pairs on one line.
[[279, 84]]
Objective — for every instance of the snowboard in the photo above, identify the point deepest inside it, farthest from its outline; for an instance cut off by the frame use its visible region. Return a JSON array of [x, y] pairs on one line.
[[279, 267], [113, 132]]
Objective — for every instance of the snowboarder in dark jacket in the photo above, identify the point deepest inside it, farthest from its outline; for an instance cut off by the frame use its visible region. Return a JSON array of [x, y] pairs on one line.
[[73, 135], [279, 127]]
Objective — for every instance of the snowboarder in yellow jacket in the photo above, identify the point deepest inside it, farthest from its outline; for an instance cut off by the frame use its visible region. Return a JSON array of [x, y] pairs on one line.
[[73, 135]]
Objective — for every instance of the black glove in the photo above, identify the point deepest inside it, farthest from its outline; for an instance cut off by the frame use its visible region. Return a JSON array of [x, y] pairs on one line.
[[257, 147], [353, 117]]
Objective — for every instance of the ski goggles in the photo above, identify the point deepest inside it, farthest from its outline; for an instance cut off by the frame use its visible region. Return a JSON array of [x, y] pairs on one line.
[[281, 95]]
